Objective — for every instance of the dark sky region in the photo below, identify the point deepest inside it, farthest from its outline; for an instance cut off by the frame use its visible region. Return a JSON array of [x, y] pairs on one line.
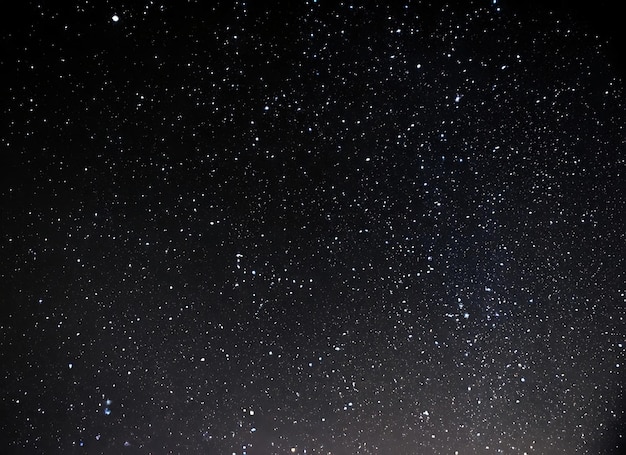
[[312, 227]]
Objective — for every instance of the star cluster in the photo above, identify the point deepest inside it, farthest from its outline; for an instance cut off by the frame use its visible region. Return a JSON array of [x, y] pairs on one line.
[[310, 227]]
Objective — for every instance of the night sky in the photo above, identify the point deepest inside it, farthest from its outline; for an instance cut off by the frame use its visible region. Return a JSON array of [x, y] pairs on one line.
[[312, 227]]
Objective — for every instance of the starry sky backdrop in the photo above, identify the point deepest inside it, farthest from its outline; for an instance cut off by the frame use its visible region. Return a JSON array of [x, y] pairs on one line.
[[311, 227]]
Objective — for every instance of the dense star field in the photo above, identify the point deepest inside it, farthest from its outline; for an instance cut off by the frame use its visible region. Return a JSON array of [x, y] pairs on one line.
[[311, 227]]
